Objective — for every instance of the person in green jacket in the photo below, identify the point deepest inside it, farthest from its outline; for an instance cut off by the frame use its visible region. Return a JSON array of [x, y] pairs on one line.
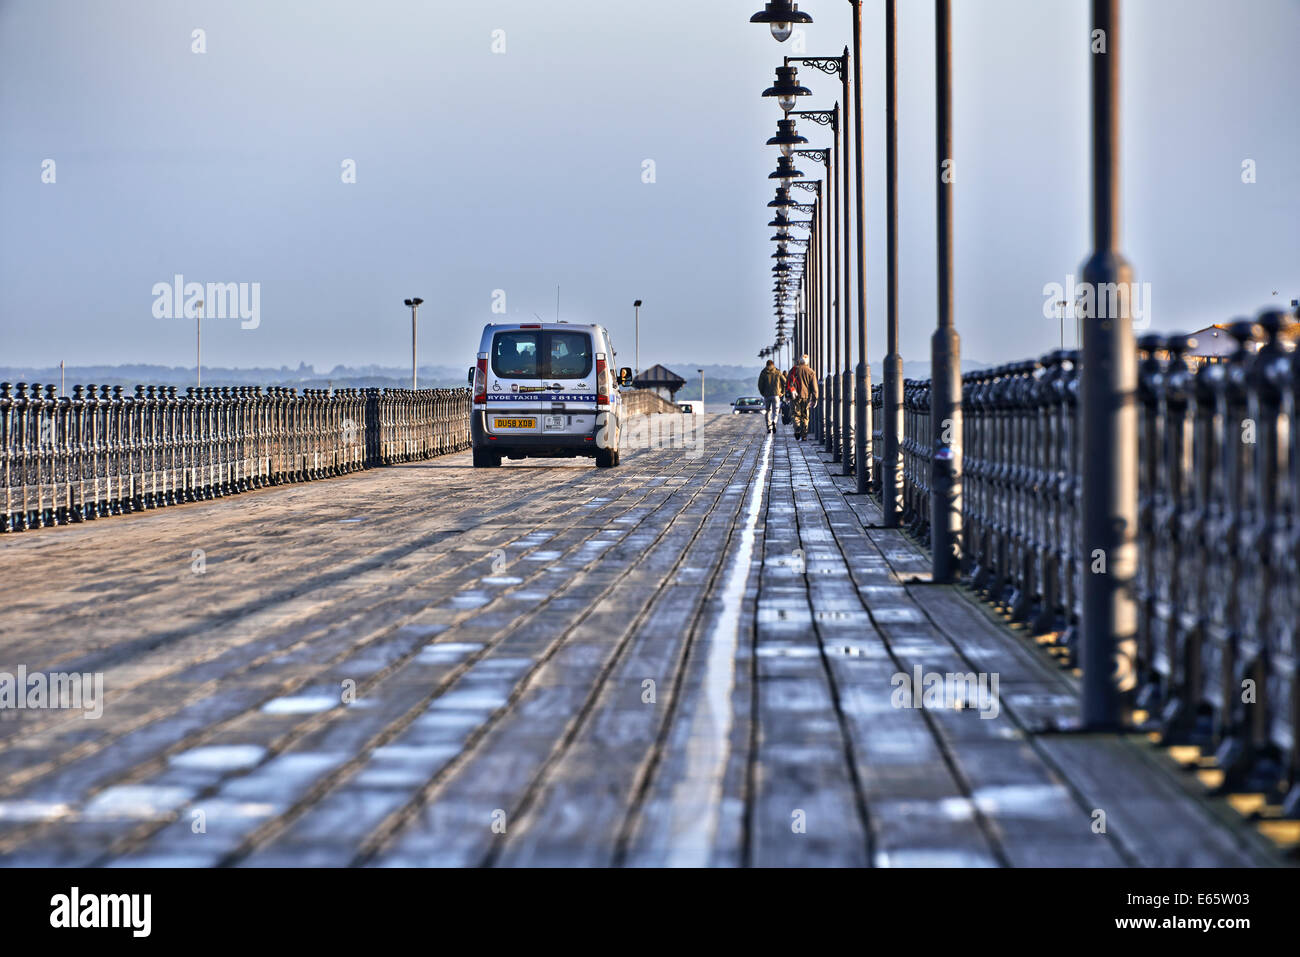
[[771, 383]]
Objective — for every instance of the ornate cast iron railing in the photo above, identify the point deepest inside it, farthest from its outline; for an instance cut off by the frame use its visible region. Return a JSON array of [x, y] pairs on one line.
[[1218, 558], [98, 452]]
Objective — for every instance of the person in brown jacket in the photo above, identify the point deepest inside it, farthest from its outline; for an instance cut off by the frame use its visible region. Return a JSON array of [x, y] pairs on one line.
[[803, 387]]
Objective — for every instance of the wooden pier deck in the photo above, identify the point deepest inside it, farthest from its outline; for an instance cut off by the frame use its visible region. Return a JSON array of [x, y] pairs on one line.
[[689, 660]]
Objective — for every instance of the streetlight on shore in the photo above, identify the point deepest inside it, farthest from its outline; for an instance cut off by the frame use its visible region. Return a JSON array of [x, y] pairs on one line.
[[198, 346], [636, 361], [414, 304]]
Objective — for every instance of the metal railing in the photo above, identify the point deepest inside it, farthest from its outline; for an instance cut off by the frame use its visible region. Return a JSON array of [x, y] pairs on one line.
[[98, 452], [1217, 659]]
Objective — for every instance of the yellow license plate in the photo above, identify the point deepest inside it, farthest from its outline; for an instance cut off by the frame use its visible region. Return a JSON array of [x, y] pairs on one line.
[[514, 423]]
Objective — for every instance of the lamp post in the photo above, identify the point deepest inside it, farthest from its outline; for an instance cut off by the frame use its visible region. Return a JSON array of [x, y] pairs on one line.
[[198, 346], [839, 394], [414, 304], [772, 14], [891, 429], [1078, 320], [701, 372], [818, 313], [1107, 390], [844, 384], [945, 344], [827, 358], [636, 361], [791, 271], [784, 283], [863, 385]]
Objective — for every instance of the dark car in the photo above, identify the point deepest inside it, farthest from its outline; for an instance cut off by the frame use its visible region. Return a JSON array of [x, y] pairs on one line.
[[748, 403]]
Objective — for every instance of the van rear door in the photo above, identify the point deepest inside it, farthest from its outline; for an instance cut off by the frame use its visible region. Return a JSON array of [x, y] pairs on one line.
[[514, 384], [568, 382]]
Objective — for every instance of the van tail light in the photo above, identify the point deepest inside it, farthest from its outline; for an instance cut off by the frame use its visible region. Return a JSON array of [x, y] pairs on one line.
[[602, 382], [480, 383]]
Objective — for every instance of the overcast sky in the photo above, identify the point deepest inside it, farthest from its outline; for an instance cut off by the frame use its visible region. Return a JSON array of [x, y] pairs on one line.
[[479, 171]]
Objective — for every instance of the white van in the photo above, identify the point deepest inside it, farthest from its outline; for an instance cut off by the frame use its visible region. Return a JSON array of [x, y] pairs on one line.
[[546, 390]]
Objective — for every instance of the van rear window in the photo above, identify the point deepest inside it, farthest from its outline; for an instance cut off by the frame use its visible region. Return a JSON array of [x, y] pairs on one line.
[[568, 355], [527, 354], [514, 355]]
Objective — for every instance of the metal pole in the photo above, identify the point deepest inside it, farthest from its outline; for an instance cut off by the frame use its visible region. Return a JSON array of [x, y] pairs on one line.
[[823, 322], [945, 344], [831, 258], [815, 339], [413, 366], [891, 473], [830, 375], [198, 347], [1108, 385], [863, 386], [701, 372], [637, 354], [843, 374]]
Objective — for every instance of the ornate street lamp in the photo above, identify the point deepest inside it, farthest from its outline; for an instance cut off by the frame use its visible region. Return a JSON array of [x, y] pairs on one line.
[[783, 200], [781, 222], [786, 89], [787, 137], [781, 16], [785, 171]]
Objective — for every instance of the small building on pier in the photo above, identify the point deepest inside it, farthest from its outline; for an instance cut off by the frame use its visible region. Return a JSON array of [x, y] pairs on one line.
[[663, 382]]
